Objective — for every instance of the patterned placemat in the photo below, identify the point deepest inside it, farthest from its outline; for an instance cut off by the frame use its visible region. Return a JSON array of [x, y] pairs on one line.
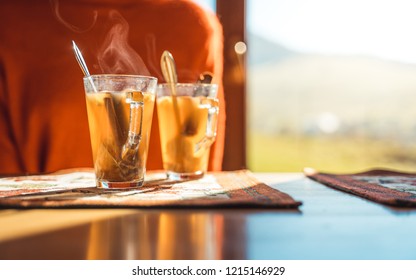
[[383, 186], [76, 189]]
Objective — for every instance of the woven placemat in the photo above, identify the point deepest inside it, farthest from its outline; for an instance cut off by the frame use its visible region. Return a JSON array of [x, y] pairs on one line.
[[383, 186], [77, 190]]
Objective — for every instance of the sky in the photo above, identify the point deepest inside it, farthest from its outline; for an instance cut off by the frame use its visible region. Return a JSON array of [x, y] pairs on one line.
[[208, 4], [380, 28]]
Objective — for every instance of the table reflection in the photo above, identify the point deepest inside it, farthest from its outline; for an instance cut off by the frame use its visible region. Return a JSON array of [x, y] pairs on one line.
[[166, 235], [152, 234]]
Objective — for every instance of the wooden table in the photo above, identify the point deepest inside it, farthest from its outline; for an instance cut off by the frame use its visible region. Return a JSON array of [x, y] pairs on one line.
[[329, 225]]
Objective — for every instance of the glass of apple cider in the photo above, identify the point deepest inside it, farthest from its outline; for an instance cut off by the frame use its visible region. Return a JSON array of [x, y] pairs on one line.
[[187, 115], [120, 110]]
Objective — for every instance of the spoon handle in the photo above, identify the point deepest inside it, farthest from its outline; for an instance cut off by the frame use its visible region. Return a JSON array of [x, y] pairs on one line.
[[167, 63], [80, 59], [83, 65]]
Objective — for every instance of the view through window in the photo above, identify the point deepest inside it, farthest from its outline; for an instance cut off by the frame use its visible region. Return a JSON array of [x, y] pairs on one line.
[[207, 4], [331, 85]]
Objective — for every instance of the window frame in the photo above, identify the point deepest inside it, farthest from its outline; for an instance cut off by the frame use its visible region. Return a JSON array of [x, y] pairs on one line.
[[232, 14]]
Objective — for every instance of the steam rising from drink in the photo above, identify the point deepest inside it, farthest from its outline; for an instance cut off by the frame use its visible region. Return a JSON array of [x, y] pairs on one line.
[[58, 16], [116, 56]]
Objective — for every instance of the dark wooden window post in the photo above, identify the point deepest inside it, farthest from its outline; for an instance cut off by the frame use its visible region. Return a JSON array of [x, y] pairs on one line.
[[232, 16]]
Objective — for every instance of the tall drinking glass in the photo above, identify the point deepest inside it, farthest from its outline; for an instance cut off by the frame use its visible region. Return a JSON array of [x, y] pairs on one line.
[[120, 110], [187, 116]]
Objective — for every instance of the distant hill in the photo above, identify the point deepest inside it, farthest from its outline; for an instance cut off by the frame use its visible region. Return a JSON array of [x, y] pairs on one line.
[[365, 95], [263, 51]]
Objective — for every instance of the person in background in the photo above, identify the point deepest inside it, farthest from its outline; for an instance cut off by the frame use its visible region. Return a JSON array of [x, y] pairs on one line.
[[43, 119]]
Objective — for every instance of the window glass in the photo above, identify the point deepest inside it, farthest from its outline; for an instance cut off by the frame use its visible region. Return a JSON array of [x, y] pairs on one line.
[[331, 85], [207, 4]]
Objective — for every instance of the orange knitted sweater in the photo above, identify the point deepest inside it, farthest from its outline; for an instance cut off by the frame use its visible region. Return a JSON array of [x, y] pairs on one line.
[[43, 119]]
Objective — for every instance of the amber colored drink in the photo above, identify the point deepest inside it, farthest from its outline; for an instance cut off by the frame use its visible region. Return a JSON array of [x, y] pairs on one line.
[[120, 123], [187, 134]]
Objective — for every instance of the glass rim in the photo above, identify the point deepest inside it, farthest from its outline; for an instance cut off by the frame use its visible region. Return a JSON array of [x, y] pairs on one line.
[[120, 76], [187, 85]]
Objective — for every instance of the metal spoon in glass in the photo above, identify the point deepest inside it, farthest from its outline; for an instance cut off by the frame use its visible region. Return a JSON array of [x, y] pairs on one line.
[[167, 63], [129, 152], [83, 65]]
